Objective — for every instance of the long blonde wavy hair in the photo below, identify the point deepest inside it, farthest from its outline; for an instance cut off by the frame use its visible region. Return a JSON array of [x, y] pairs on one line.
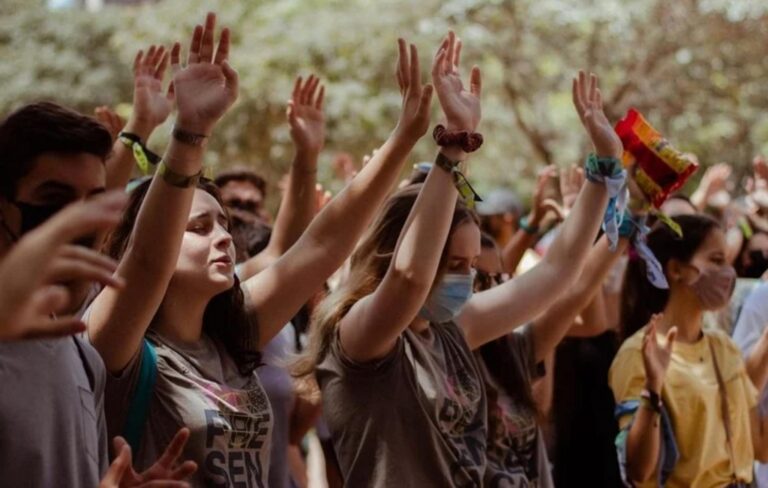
[[369, 264]]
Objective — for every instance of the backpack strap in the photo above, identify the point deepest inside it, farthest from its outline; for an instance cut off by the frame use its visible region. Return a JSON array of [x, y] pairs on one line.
[[142, 394]]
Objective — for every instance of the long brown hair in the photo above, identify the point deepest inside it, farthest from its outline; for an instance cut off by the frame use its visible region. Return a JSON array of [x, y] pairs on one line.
[[369, 264], [225, 318]]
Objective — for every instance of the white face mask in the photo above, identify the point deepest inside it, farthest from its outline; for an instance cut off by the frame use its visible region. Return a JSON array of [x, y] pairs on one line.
[[449, 298]]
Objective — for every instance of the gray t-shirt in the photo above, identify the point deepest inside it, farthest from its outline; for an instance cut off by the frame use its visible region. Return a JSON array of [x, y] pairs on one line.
[[278, 385], [52, 429], [414, 418], [516, 452], [198, 387]]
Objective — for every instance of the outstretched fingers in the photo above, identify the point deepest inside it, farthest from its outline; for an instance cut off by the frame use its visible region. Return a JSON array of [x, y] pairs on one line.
[[403, 76], [475, 81], [222, 51], [206, 45]]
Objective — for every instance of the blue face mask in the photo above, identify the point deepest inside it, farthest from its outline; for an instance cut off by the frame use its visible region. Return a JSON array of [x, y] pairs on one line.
[[447, 300]]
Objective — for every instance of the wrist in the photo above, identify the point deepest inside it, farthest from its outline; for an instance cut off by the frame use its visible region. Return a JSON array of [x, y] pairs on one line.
[[654, 385], [307, 155], [405, 138], [141, 128], [453, 153], [183, 158], [194, 126], [534, 219]]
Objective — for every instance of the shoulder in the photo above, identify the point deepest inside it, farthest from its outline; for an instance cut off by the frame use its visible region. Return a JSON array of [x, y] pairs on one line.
[[722, 342]]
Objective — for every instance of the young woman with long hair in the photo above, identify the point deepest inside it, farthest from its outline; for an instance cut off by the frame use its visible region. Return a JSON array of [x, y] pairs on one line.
[[392, 348], [686, 403], [181, 293]]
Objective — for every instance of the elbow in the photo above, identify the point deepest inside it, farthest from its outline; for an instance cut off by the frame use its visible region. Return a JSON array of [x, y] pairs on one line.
[[411, 281], [638, 474]]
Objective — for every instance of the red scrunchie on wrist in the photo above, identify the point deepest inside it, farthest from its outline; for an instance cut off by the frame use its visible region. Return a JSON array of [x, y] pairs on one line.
[[467, 141]]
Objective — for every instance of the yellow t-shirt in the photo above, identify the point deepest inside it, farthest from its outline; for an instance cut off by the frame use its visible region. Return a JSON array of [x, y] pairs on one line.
[[692, 398]]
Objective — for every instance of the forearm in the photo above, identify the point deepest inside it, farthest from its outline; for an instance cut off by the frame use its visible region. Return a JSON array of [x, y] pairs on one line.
[[643, 443], [577, 233], [757, 362], [373, 325], [298, 206], [119, 318], [339, 225], [550, 328], [424, 236], [514, 251], [121, 162]]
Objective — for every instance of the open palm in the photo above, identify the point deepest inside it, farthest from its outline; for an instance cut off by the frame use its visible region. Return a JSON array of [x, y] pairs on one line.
[[151, 103], [461, 107], [305, 115], [656, 358], [588, 101], [207, 86]]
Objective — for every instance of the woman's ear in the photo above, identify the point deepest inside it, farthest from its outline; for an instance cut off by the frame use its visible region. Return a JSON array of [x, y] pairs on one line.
[[674, 270]]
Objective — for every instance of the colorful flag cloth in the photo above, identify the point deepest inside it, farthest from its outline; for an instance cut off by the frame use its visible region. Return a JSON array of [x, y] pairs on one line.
[[660, 169]]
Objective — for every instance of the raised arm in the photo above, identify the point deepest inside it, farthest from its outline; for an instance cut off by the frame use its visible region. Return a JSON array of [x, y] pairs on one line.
[[524, 238], [305, 116], [373, 324], [496, 312], [552, 326], [644, 439], [278, 292], [151, 106], [205, 89]]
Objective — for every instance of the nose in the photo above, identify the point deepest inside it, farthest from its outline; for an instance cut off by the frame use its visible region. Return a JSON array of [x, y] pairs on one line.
[[222, 239]]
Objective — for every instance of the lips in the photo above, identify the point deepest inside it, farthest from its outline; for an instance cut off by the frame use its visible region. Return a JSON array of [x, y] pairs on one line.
[[223, 260]]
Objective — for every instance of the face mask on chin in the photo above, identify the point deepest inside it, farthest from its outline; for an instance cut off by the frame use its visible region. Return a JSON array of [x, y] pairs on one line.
[[450, 296], [714, 286]]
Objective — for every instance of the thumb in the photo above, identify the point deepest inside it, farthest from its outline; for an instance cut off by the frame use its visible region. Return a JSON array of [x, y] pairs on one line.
[[117, 469], [671, 335]]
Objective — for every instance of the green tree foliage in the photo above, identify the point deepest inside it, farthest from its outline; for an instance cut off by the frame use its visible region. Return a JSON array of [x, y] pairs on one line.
[[696, 68]]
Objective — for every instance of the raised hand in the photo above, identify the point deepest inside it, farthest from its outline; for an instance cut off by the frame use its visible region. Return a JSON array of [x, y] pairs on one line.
[[589, 104], [207, 86], [461, 107], [305, 115], [151, 104], [414, 117], [542, 205], [655, 356], [165, 472], [31, 273], [109, 119], [571, 180]]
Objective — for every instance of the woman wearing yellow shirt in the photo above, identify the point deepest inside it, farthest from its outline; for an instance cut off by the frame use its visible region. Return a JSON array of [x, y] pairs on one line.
[[668, 378]]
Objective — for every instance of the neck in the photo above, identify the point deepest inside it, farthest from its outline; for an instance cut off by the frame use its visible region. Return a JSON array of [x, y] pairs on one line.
[[419, 325], [180, 316], [685, 316]]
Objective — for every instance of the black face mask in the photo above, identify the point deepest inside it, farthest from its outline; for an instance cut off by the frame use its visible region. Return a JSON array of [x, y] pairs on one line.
[[759, 265], [33, 215]]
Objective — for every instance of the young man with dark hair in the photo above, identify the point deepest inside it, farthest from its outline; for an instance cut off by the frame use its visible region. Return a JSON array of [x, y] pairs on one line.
[[244, 191], [52, 425], [52, 428]]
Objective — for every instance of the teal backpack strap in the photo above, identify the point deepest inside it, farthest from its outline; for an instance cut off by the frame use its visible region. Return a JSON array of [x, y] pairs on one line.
[[142, 394]]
